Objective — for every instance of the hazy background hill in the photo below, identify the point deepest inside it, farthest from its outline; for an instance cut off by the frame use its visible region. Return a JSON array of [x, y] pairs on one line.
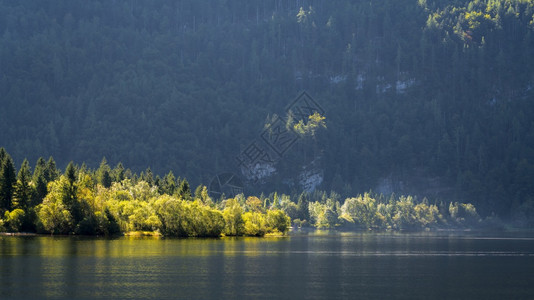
[[433, 98]]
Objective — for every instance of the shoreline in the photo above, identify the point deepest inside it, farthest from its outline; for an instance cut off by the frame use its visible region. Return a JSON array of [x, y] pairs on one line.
[[294, 231]]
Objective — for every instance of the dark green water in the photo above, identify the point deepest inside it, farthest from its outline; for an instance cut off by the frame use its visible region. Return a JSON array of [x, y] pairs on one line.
[[302, 266]]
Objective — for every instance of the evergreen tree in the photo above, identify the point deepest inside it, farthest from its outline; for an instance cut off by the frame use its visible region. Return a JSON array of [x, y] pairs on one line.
[[39, 170], [118, 173], [198, 192], [103, 174], [105, 180], [70, 172], [157, 182], [70, 198], [303, 212], [23, 190], [39, 180], [7, 182], [51, 173], [148, 176], [184, 191], [168, 184], [3, 154]]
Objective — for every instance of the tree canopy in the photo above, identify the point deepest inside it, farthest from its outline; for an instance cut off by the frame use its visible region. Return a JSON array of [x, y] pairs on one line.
[[430, 98]]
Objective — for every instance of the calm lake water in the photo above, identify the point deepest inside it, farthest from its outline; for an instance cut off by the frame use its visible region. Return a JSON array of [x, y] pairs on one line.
[[315, 265]]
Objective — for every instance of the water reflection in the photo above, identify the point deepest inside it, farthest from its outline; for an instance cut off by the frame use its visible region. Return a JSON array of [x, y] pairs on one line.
[[306, 265]]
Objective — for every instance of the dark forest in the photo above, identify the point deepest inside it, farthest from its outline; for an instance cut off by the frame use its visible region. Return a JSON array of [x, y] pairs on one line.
[[432, 99]]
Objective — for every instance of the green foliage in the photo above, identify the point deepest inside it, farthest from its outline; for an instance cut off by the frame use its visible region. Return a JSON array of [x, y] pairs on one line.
[[39, 180], [362, 211], [76, 204], [255, 224], [303, 212], [98, 224], [253, 204], [289, 207], [23, 191], [168, 186], [442, 86], [51, 172], [405, 217], [184, 191], [52, 213], [70, 173], [310, 127], [118, 173], [15, 219], [104, 176], [463, 214], [8, 180], [324, 215], [183, 218], [278, 221], [170, 212], [405, 213], [427, 215], [233, 218]]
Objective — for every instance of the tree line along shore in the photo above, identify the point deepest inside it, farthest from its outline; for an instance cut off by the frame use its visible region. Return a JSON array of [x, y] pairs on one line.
[[109, 201]]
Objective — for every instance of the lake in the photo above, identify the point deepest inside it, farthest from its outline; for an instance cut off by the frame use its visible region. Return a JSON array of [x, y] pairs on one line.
[[313, 265]]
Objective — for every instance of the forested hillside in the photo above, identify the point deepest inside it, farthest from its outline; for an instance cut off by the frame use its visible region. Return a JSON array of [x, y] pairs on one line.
[[429, 98]]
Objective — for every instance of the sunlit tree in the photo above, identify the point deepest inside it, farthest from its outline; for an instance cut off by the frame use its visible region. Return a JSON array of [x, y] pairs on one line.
[[232, 214]]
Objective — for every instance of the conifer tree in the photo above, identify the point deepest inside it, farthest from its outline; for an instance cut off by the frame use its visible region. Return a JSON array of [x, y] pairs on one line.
[[302, 206], [70, 198], [118, 173], [7, 182], [70, 172], [39, 181], [184, 191], [52, 173], [23, 190], [148, 176], [3, 154], [103, 173], [168, 184]]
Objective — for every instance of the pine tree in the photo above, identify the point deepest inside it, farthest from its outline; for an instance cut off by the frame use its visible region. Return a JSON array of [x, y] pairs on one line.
[[23, 190], [302, 206], [3, 154], [40, 166], [118, 173], [52, 173], [148, 176], [103, 174], [168, 186], [71, 196], [70, 172], [198, 192], [39, 180], [157, 182], [7, 182], [184, 191]]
